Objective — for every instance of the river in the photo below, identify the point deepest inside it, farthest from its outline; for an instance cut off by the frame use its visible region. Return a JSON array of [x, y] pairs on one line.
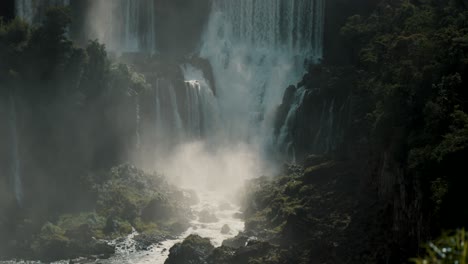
[[212, 202]]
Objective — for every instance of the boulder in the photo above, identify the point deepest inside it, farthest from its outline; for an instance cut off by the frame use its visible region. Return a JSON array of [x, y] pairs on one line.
[[236, 242], [194, 250], [221, 255], [225, 229]]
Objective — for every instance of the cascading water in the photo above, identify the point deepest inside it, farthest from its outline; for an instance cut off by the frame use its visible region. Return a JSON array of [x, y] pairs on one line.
[[187, 110], [16, 164], [201, 106], [32, 11], [124, 25], [326, 126], [257, 48], [177, 121], [283, 140]]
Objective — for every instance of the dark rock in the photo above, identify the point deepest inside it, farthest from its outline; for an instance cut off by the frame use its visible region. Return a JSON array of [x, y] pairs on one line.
[[283, 109], [254, 249], [288, 96], [225, 229], [194, 250], [145, 241], [221, 255], [236, 242]]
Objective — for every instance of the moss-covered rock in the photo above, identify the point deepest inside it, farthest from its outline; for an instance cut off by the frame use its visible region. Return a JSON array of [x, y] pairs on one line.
[[193, 250], [126, 198]]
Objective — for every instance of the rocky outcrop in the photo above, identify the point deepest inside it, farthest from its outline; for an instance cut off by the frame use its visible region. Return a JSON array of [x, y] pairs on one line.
[[127, 200], [197, 250], [194, 250], [314, 115]]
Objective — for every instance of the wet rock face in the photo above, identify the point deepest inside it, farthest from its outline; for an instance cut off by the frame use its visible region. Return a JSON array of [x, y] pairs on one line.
[[236, 242], [313, 118], [193, 250]]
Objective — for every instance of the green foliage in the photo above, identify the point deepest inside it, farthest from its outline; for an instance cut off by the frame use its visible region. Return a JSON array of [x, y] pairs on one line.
[[456, 140], [450, 248], [76, 101], [411, 59], [50, 238]]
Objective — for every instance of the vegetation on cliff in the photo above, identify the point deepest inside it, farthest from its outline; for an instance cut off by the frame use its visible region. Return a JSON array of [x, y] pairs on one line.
[[76, 115], [125, 198], [411, 62], [396, 103]]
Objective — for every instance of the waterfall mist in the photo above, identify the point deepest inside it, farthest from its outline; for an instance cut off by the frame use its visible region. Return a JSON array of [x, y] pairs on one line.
[[255, 50], [123, 25], [222, 169], [216, 72], [188, 89]]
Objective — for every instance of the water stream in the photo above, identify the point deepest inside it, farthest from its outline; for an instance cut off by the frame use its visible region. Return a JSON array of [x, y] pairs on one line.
[[157, 254]]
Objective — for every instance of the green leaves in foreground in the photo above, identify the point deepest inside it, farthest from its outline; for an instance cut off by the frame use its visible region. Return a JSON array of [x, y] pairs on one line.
[[450, 248]]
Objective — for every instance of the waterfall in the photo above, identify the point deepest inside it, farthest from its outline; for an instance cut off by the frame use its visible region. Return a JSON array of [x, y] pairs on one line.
[[33, 11], [124, 25], [193, 108], [201, 104], [16, 164], [257, 48], [177, 125], [284, 139], [290, 25], [323, 140]]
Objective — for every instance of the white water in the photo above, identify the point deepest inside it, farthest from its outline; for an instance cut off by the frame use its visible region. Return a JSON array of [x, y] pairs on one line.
[[201, 105], [191, 113], [33, 11], [16, 164], [124, 25], [258, 48], [283, 137], [158, 253], [177, 125]]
